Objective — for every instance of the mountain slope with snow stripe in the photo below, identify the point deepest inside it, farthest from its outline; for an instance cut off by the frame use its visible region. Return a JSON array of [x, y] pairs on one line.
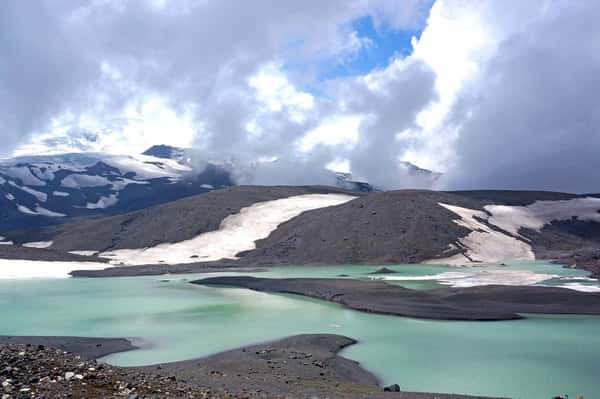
[[496, 237], [237, 232], [171, 222], [406, 226]]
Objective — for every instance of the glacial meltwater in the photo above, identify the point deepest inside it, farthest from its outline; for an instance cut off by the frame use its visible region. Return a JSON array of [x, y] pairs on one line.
[[538, 357]]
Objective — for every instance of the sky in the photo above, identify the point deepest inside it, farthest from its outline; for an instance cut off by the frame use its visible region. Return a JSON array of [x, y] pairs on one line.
[[493, 94]]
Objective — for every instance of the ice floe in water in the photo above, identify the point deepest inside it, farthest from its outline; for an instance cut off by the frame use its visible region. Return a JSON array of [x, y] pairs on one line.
[[581, 287], [237, 232], [84, 253], [478, 277], [20, 269]]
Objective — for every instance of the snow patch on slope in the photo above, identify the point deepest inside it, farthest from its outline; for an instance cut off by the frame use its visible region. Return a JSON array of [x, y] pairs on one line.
[[46, 212], [237, 233], [147, 167], [540, 213], [39, 211], [42, 197], [504, 242], [103, 202], [24, 174], [77, 181], [38, 244], [484, 244]]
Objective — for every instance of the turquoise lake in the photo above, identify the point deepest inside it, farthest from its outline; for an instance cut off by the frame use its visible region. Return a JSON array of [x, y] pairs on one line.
[[173, 320]]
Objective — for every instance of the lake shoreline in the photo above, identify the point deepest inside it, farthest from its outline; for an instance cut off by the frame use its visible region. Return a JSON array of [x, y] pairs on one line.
[[87, 347], [297, 366], [481, 303]]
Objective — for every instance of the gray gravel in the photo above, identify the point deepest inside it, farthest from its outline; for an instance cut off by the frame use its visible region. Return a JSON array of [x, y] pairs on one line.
[[303, 366], [486, 303]]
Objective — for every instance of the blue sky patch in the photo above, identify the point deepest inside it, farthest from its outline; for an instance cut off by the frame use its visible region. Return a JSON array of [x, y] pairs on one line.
[[385, 43]]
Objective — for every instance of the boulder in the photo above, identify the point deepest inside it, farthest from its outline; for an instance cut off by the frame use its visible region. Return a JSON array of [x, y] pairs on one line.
[[392, 388], [384, 270]]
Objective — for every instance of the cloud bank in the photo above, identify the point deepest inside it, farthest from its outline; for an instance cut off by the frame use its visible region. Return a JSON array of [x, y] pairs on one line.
[[492, 94]]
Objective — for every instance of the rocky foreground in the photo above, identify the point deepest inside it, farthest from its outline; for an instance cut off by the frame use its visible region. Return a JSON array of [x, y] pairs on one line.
[[304, 366], [37, 371]]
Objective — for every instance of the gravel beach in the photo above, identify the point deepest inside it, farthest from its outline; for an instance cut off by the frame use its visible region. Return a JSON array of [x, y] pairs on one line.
[[303, 366]]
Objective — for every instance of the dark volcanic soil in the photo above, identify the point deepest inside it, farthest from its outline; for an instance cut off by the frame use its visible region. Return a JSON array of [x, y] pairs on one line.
[[38, 371], [393, 227], [396, 227], [514, 197], [171, 222], [304, 366], [572, 243], [89, 348], [474, 303]]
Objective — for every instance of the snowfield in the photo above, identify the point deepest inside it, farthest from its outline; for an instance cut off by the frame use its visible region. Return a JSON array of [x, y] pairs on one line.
[[236, 233], [21, 269], [540, 213], [38, 244], [495, 234], [39, 211]]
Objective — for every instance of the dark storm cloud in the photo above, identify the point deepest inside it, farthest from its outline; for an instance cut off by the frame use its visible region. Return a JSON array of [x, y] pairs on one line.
[[42, 72], [532, 120]]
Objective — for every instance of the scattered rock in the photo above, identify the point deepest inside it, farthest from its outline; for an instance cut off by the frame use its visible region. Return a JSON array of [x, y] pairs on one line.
[[29, 371], [384, 270], [392, 388]]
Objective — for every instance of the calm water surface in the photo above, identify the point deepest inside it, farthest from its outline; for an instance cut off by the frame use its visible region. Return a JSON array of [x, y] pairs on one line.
[[533, 358]]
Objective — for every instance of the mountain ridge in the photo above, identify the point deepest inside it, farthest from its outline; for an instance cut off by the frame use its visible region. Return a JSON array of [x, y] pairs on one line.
[[404, 226]]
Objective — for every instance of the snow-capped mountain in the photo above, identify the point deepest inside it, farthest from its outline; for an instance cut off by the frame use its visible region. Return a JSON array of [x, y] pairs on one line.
[[345, 180], [339, 179], [41, 190]]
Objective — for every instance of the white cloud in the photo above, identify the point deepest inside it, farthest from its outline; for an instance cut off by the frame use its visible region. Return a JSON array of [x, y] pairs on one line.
[[334, 131], [276, 94], [231, 77]]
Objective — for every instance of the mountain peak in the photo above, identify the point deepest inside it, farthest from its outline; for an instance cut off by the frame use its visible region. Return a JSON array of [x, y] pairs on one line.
[[164, 151]]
